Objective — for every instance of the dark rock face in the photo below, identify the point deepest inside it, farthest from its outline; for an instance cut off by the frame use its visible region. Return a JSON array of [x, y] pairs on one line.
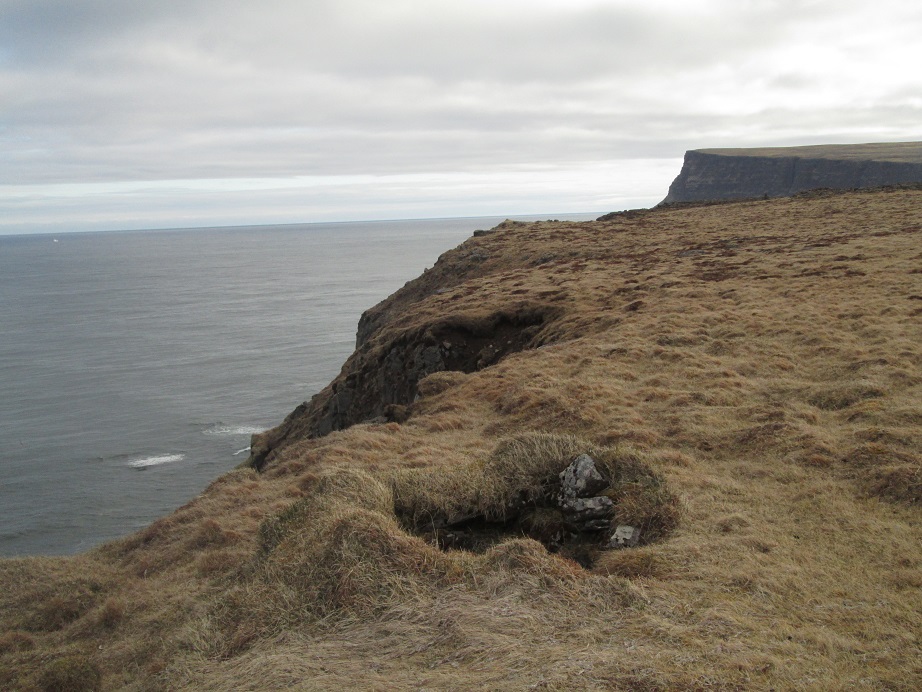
[[379, 382], [380, 385], [396, 349], [709, 176]]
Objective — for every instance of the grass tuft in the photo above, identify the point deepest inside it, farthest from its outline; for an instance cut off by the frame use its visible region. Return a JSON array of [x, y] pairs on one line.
[[843, 396], [15, 641], [632, 564], [901, 483], [71, 674]]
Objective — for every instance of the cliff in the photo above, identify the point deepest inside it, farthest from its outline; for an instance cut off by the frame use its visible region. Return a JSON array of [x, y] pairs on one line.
[[398, 344], [675, 449], [728, 174]]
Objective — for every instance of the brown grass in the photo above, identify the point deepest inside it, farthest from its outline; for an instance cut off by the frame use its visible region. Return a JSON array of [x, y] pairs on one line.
[[70, 674], [902, 152], [750, 378]]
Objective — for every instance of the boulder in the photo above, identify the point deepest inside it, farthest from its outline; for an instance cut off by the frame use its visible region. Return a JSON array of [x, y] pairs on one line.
[[580, 479], [581, 509], [624, 537]]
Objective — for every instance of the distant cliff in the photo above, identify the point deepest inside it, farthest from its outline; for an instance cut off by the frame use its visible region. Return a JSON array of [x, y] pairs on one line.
[[726, 174]]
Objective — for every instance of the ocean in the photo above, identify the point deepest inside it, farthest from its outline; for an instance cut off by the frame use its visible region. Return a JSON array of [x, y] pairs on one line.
[[134, 366]]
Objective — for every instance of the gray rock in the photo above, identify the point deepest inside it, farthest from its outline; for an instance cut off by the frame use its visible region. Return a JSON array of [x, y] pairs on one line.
[[580, 509], [580, 479], [624, 537]]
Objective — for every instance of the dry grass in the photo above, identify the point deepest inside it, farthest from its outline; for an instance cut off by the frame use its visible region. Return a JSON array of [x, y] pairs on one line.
[[901, 152], [755, 364]]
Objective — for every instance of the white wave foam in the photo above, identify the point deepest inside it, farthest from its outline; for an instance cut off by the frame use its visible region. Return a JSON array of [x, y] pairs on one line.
[[221, 429], [156, 460], [241, 451]]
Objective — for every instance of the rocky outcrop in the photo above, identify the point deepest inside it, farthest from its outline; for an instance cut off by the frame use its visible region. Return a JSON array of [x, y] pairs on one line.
[[728, 174], [379, 382], [423, 328]]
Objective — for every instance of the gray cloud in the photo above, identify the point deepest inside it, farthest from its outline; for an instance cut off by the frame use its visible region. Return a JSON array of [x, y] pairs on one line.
[[111, 90]]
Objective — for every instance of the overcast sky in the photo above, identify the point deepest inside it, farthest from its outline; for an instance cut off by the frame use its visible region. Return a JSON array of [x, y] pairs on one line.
[[172, 113]]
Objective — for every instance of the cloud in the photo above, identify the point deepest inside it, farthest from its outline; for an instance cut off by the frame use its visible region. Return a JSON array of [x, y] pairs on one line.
[[116, 90], [181, 203]]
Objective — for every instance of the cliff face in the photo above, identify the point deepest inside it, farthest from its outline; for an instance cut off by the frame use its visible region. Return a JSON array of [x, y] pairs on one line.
[[727, 174], [379, 382]]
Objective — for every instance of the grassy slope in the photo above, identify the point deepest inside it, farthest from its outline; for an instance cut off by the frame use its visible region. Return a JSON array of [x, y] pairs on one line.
[[763, 357], [900, 152]]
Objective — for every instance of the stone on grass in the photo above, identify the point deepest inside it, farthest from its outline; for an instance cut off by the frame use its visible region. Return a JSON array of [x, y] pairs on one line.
[[624, 537], [587, 508], [581, 479]]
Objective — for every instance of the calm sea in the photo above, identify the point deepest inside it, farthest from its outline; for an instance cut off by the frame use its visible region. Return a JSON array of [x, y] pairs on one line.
[[135, 366]]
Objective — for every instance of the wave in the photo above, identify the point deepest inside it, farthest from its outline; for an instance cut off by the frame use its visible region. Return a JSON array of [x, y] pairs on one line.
[[156, 460], [222, 429], [241, 451]]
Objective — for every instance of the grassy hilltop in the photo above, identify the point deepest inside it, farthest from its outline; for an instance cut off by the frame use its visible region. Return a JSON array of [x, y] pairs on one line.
[[748, 377]]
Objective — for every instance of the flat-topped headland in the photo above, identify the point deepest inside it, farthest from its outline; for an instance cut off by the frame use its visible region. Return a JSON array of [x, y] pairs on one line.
[[729, 174]]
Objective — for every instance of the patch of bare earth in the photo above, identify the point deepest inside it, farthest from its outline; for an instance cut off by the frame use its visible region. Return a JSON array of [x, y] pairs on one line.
[[749, 377]]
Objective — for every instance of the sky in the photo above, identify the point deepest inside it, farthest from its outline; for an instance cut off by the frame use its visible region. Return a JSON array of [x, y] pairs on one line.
[[123, 114]]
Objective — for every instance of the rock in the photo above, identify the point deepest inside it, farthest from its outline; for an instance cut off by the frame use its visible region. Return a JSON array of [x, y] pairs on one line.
[[581, 509], [579, 484], [624, 537], [597, 525], [580, 479]]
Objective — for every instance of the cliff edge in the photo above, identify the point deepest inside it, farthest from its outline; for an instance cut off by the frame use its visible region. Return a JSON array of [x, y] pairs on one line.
[[678, 448], [729, 174]]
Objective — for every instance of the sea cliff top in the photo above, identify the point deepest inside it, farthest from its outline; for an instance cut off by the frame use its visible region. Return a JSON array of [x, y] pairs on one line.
[[745, 381], [899, 152]]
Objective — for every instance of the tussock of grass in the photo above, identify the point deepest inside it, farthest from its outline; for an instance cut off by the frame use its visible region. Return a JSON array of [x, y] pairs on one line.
[[70, 674], [633, 564], [337, 551], [902, 483], [14, 641], [50, 593], [840, 397], [334, 487]]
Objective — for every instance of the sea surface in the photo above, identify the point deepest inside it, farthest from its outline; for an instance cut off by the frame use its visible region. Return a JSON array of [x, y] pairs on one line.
[[134, 366]]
